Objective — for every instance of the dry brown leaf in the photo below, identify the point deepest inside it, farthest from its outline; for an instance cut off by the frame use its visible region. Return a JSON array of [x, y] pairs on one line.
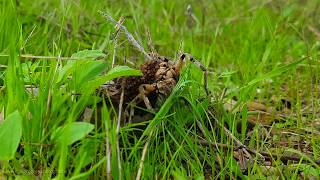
[[261, 118], [87, 114], [231, 105], [258, 113], [242, 159], [253, 106]]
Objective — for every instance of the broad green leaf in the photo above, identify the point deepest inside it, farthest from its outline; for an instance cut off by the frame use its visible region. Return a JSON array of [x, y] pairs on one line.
[[308, 170], [87, 153], [83, 70], [25, 177], [65, 70], [123, 71], [199, 177], [179, 175], [87, 71], [116, 72], [10, 135], [85, 54], [88, 54], [72, 132]]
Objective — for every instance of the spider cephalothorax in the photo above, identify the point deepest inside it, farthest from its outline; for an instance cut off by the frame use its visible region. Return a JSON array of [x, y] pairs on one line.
[[160, 76]]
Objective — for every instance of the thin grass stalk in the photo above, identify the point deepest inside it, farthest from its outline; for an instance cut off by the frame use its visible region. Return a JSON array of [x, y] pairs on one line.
[[118, 127], [143, 156]]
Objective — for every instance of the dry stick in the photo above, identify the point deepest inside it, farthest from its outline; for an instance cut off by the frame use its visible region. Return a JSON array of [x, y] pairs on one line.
[[267, 155], [127, 33], [201, 127], [115, 39], [30, 56], [262, 155], [36, 144], [108, 153], [118, 125], [203, 131], [239, 143], [202, 67], [114, 52], [143, 156]]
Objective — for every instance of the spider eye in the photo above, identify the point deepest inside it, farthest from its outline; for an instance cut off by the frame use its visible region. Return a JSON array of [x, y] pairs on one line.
[[163, 64], [182, 56]]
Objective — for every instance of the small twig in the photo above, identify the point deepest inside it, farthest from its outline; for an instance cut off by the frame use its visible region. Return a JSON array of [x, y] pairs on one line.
[[200, 125], [117, 27], [216, 145], [267, 155], [286, 158], [114, 53], [262, 155], [30, 56], [223, 94], [201, 66], [239, 143], [35, 144]]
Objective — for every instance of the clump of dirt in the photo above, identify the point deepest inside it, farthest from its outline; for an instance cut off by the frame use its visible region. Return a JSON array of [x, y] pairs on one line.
[[132, 83]]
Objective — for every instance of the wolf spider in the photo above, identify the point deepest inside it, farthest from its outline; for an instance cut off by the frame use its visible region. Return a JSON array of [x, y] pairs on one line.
[[160, 76]]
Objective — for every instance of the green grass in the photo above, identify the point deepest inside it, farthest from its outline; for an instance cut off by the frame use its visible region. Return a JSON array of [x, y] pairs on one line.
[[261, 51]]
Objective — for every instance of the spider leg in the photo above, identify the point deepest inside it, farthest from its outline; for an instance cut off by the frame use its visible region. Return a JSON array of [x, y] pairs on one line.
[[144, 90], [205, 73], [142, 96], [197, 63], [131, 114], [130, 107]]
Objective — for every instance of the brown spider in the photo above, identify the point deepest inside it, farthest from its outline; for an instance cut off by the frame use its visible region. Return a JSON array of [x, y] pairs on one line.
[[160, 76]]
